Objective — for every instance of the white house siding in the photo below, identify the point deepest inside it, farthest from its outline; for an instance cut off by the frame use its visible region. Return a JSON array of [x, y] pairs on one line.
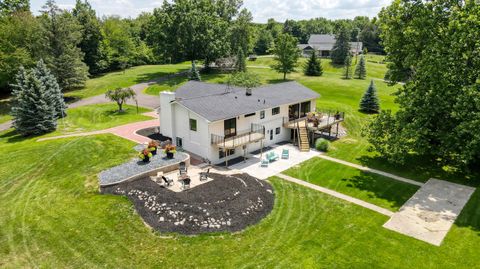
[[197, 142], [166, 113], [271, 122]]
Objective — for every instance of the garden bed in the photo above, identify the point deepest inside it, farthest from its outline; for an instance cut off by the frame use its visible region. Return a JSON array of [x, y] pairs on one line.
[[228, 203]]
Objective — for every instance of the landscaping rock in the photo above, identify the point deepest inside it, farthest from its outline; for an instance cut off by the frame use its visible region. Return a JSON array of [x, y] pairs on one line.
[[241, 197]]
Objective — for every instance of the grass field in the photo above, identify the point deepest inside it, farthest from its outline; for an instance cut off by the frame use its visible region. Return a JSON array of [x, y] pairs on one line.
[[52, 216], [131, 76]]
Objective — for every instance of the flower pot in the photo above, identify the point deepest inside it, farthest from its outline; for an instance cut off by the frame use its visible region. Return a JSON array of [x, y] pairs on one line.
[[154, 152], [170, 155], [146, 159]]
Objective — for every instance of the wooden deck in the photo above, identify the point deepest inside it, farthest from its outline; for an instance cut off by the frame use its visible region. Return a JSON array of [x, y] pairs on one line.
[[325, 122], [240, 140]]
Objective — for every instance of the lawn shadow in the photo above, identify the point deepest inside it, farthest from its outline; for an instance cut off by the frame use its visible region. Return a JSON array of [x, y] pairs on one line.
[[280, 80], [398, 194], [12, 136]]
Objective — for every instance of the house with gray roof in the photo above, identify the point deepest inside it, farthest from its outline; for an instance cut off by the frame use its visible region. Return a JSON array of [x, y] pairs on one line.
[[218, 121], [323, 45]]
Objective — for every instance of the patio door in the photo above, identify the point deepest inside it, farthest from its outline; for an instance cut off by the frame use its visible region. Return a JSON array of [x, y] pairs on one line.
[[293, 112], [230, 127], [304, 109]]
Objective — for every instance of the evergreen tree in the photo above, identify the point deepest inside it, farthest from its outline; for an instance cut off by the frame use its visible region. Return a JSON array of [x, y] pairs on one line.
[[53, 92], [369, 102], [361, 69], [347, 69], [194, 73], [31, 109], [240, 64], [63, 33], [341, 49], [313, 67]]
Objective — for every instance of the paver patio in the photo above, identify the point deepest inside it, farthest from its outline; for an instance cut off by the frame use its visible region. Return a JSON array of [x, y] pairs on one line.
[[431, 212], [252, 165]]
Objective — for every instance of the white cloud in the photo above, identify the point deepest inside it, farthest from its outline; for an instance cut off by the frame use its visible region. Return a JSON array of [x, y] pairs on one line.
[[262, 10]]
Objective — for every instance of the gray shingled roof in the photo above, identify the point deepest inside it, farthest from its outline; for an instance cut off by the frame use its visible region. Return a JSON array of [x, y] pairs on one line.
[[216, 102], [321, 39]]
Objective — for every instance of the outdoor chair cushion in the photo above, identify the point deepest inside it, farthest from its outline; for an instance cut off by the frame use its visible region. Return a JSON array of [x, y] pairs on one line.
[[285, 154]]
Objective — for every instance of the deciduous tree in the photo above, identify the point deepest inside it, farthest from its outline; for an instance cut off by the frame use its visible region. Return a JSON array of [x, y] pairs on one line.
[[286, 54], [120, 96]]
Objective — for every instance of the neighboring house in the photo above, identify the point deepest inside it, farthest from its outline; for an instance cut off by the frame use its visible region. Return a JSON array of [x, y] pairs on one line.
[[216, 121], [323, 44]]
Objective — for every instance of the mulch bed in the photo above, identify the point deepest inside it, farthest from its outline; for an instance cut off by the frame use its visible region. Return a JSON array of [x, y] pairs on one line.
[[152, 134], [228, 203]]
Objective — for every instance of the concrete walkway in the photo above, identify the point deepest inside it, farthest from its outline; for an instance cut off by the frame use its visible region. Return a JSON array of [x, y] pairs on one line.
[[344, 197], [127, 131], [431, 212], [371, 170]]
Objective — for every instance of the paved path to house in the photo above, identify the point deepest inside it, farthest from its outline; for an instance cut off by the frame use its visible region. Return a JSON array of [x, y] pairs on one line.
[[344, 197], [127, 131], [371, 170], [431, 212]]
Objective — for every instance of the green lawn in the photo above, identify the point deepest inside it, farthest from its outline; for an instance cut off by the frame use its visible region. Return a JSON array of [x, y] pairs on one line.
[[98, 117], [4, 111], [373, 188], [52, 216], [131, 76]]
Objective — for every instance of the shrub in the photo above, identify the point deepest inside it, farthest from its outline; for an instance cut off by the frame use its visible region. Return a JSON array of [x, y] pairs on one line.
[[322, 144]]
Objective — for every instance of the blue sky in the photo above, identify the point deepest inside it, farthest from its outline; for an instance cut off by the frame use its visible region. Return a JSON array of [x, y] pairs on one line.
[[261, 9]]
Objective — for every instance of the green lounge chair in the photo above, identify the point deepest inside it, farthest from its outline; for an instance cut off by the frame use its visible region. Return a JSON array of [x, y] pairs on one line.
[[285, 154], [264, 163], [272, 156]]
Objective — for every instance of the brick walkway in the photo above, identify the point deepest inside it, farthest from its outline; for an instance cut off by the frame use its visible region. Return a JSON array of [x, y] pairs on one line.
[[127, 131]]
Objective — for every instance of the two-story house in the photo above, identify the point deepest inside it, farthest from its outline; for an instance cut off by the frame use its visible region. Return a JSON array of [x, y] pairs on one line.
[[216, 121]]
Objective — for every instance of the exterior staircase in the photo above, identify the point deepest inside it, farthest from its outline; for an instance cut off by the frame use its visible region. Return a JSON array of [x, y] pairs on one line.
[[303, 143]]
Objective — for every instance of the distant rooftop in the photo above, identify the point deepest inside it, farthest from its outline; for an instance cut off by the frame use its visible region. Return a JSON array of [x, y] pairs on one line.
[[219, 102], [321, 39]]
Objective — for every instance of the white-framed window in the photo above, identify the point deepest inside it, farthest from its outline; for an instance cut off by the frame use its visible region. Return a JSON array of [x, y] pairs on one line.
[[275, 110], [262, 114], [193, 125], [277, 130]]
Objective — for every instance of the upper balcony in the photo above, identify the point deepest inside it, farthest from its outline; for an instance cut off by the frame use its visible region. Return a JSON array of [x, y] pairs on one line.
[[315, 120], [252, 135]]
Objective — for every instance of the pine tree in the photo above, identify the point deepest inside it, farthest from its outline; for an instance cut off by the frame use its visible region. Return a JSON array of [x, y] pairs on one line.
[[313, 67], [347, 69], [240, 64], [361, 69], [53, 91], [341, 49], [194, 73], [369, 102], [31, 111]]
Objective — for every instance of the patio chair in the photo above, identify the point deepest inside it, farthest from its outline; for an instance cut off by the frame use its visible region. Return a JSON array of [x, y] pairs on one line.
[[168, 181], [186, 184], [182, 168], [204, 175], [272, 156], [285, 154], [264, 163]]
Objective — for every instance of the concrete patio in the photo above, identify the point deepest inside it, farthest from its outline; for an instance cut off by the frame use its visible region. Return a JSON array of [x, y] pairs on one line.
[[253, 168]]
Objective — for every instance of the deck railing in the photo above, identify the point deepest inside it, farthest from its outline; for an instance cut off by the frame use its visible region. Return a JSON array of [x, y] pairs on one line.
[[255, 133]]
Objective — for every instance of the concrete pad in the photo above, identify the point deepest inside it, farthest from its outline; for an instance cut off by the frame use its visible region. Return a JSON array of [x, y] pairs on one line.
[[431, 212], [253, 168]]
